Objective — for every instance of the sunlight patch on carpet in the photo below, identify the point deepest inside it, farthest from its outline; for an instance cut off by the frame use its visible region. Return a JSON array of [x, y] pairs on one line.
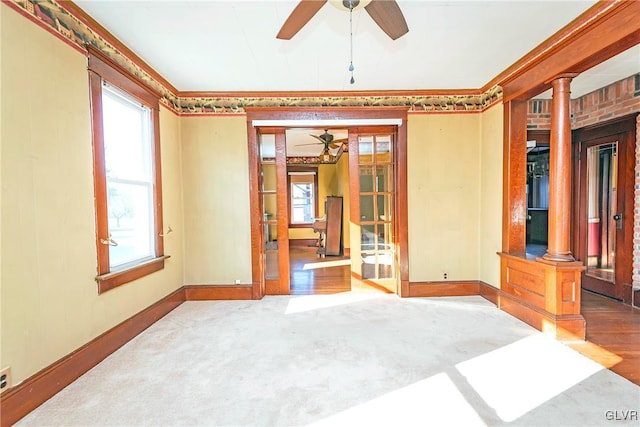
[[434, 401], [519, 377]]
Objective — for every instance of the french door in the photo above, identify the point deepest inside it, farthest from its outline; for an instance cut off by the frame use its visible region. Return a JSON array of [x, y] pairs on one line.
[[374, 257], [604, 223], [273, 200]]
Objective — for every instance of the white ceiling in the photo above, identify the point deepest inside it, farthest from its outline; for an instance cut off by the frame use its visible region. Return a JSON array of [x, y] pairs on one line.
[[231, 45], [299, 143]]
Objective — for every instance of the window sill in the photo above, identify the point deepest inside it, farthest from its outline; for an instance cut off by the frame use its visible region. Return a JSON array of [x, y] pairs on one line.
[[117, 278]]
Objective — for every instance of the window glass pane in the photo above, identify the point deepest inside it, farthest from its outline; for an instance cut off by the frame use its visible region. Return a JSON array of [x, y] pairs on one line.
[[130, 222], [365, 149], [268, 177], [366, 179], [270, 205], [271, 260], [383, 178], [385, 237], [368, 266], [368, 238], [366, 208], [384, 207], [385, 265], [267, 148], [126, 127], [302, 203], [383, 149]]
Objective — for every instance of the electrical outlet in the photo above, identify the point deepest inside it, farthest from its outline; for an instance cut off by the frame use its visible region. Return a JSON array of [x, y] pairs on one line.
[[446, 276], [5, 379], [237, 281]]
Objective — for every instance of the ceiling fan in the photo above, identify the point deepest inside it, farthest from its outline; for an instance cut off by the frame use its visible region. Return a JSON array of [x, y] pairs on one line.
[[327, 140], [385, 13]]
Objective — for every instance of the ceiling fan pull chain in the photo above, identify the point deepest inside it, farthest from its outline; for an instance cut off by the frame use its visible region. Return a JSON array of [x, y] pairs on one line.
[[351, 42]]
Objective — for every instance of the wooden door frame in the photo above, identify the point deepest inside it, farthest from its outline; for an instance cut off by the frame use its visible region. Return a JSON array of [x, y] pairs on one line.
[[301, 113], [622, 130]]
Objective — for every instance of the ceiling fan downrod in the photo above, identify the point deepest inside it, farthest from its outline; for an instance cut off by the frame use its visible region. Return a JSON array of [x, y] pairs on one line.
[[350, 4]]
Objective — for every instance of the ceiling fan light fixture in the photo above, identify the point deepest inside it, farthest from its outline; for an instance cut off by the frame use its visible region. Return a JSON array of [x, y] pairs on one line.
[[326, 156]]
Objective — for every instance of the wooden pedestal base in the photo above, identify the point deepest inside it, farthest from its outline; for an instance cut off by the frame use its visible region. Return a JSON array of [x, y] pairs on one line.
[[545, 294]]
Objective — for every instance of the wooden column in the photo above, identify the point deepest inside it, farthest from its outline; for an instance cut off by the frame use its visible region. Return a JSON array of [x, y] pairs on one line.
[[560, 173], [514, 177]]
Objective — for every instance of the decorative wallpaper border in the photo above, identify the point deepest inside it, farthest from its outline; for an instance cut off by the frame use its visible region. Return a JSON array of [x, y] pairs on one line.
[[432, 103], [52, 15]]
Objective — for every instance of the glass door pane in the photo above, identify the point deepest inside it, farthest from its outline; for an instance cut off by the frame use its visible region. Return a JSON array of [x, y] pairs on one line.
[[377, 248], [602, 165], [268, 192]]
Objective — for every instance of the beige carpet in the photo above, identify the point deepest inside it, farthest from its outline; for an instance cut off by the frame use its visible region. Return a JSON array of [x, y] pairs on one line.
[[354, 359]]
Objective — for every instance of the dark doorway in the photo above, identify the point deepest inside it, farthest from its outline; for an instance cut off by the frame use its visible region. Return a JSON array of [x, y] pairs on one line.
[[537, 192]]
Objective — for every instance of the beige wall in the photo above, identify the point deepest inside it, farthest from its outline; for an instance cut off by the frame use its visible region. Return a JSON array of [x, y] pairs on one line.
[[50, 304], [491, 195], [443, 197], [216, 200]]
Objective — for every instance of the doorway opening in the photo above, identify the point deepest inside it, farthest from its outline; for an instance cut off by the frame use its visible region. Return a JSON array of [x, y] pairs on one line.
[[295, 192], [318, 210], [537, 228]]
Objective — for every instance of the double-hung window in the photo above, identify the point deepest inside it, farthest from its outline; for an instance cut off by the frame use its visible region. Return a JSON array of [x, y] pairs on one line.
[[126, 150], [303, 191]]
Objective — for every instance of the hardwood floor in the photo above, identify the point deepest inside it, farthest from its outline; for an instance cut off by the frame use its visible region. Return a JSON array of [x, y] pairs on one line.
[[613, 335], [313, 275]]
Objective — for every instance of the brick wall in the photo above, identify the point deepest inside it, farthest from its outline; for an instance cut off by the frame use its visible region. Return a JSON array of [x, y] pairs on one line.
[[616, 100], [636, 216], [539, 114]]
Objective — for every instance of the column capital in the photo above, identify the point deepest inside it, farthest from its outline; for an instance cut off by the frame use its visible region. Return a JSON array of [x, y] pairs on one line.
[[562, 76]]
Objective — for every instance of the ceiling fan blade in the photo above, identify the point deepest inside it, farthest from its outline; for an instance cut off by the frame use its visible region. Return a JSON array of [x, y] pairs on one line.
[[318, 138], [334, 145], [303, 12], [389, 17], [312, 143]]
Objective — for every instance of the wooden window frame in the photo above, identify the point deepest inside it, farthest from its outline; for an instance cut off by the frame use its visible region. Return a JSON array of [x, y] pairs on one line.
[[102, 69], [315, 170]]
